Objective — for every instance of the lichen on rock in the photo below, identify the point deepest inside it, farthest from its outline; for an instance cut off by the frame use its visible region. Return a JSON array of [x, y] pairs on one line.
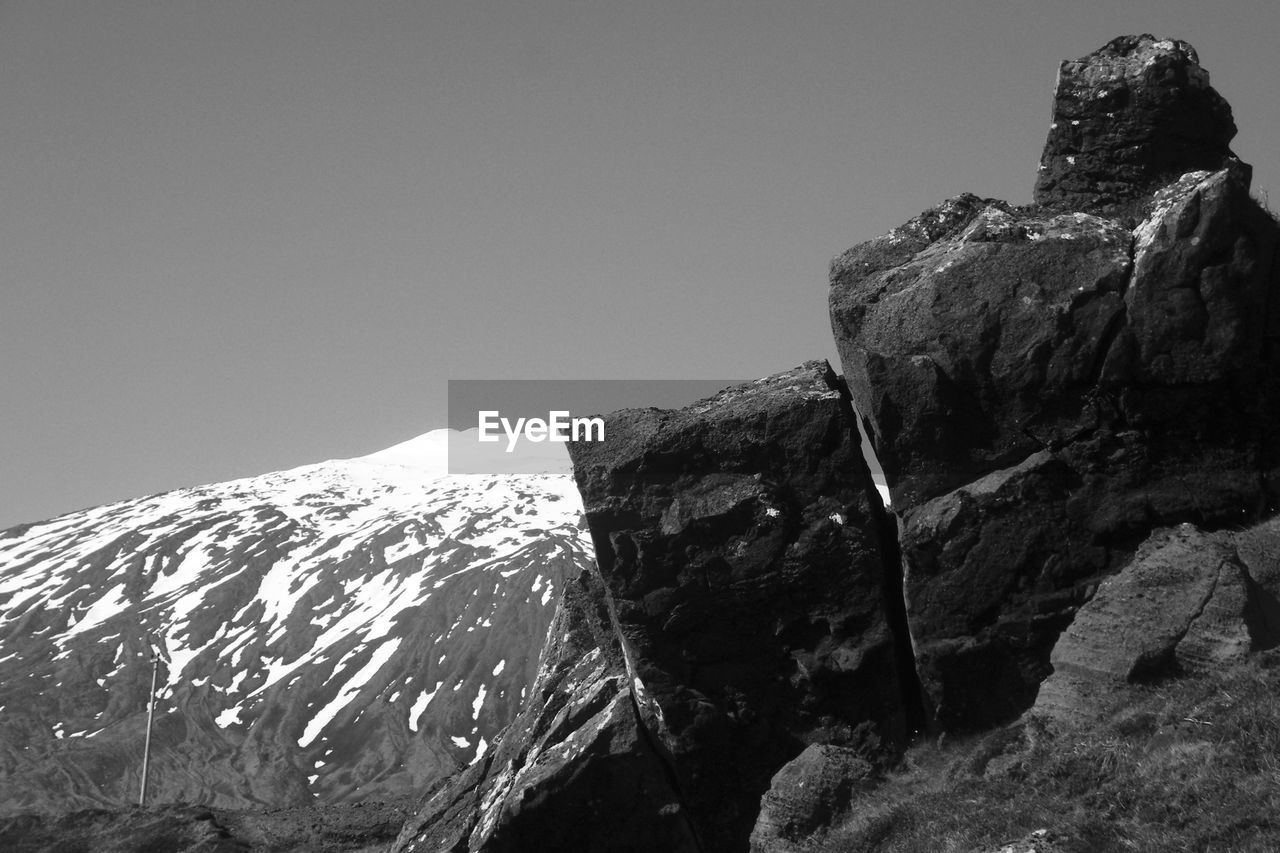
[[1129, 118]]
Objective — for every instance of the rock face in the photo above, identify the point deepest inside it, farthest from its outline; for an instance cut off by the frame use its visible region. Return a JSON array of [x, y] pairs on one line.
[[739, 613], [1045, 386], [974, 335], [743, 547], [1128, 119]]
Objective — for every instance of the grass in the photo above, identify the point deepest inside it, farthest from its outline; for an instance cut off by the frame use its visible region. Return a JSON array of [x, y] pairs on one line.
[[1190, 765]]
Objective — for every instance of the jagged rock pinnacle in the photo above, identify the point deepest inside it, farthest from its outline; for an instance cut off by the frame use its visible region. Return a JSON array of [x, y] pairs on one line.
[[1045, 386], [1133, 115]]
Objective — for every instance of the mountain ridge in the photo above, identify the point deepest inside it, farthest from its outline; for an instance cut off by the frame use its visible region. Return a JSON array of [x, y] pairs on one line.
[[350, 583]]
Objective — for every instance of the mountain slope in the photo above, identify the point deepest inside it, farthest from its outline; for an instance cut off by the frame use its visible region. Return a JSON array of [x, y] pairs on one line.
[[342, 631]]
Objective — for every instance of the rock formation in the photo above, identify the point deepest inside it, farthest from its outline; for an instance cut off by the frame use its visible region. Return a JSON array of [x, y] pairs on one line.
[[1045, 386], [1127, 119], [740, 613], [744, 549]]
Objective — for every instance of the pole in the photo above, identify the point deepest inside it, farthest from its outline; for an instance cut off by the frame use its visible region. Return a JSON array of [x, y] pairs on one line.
[[151, 713]]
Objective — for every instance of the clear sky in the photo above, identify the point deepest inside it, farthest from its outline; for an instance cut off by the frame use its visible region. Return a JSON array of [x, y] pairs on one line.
[[242, 235]]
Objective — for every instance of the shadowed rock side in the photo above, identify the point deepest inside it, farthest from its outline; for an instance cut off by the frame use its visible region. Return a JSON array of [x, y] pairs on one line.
[[744, 550], [1045, 387], [1127, 119], [576, 771]]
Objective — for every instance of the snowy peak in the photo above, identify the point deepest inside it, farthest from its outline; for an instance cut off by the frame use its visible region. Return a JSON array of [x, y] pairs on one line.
[[428, 452], [355, 626]]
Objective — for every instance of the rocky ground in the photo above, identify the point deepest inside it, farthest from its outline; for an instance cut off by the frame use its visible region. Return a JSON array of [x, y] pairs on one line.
[[1190, 764], [351, 828]]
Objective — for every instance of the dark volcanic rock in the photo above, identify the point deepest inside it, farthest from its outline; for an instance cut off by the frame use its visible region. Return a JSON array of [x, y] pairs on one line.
[[738, 613], [977, 334], [1044, 388], [1129, 118], [744, 550], [576, 771], [973, 336]]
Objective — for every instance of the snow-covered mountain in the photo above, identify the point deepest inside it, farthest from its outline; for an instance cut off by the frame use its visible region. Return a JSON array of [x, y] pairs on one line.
[[348, 630]]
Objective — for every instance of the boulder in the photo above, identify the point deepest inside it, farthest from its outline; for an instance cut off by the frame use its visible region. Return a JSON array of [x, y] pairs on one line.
[[1045, 386], [1128, 118], [744, 605], [1009, 332], [809, 794], [751, 574], [1184, 605], [974, 335]]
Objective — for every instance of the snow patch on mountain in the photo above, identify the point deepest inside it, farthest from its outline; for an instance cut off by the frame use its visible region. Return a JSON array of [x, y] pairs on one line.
[[306, 600]]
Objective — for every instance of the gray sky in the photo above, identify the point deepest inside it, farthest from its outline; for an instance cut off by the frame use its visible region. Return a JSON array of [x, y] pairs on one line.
[[243, 236]]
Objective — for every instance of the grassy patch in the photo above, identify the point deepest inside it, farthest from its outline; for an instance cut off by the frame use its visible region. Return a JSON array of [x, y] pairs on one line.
[[1189, 765]]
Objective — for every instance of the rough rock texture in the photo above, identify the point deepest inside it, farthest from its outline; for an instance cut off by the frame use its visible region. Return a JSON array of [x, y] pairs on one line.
[[973, 336], [811, 792], [1128, 118], [744, 550], [576, 771], [978, 334], [1180, 607], [1044, 386]]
